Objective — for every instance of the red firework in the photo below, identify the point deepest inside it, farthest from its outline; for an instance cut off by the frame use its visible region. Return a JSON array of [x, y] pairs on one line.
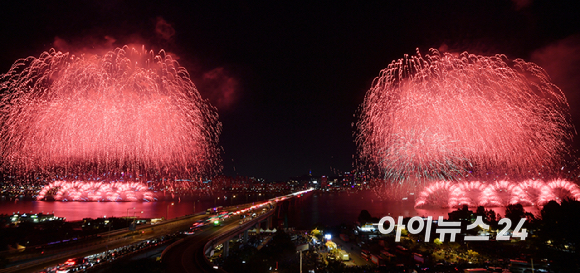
[[500, 193], [447, 116], [436, 194], [535, 192], [97, 191], [467, 193], [127, 111], [562, 189]]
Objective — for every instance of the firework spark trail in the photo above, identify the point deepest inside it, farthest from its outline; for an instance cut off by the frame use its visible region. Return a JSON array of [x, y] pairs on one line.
[[436, 194], [470, 193], [127, 111], [442, 116], [535, 192], [499, 193], [562, 189], [97, 191]]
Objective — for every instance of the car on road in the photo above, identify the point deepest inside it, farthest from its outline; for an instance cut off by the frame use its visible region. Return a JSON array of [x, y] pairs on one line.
[[194, 229]]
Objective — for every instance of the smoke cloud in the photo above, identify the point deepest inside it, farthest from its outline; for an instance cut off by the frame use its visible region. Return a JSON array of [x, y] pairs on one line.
[[88, 44], [163, 29], [220, 87], [520, 4], [214, 83], [561, 60]]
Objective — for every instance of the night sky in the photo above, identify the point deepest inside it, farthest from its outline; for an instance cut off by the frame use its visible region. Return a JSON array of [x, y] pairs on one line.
[[286, 76]]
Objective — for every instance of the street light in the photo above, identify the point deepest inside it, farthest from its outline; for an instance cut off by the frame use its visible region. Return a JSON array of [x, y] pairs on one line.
[[108, 234], [135, 216], [128, 217], [301, 248], [167, 211]]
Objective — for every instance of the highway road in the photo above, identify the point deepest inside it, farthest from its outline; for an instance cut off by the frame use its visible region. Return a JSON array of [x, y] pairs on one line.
[[119, 240], [188, 255]]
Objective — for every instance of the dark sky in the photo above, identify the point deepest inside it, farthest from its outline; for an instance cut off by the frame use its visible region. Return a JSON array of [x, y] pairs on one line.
[[287, 76]]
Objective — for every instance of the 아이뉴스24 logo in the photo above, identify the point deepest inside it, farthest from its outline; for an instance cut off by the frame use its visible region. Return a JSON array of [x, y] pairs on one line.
[[416, 224]]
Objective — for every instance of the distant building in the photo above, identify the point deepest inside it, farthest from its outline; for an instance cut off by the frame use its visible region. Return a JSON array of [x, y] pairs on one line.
[[16, 219], [324, 181]]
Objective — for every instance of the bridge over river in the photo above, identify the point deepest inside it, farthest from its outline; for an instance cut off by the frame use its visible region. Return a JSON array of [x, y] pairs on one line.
[[189, 254]]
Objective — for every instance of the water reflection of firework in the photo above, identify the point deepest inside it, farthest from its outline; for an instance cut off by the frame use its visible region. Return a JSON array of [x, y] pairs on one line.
[[446, 117]]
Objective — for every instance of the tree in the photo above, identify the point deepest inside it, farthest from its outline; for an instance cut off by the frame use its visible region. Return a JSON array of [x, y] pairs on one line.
[[491, 217], [461, 214], [570, 221], [281, 244], [480, 211], [316, 233], [515, 212], [551, 213], [437, 242], [364, 217]]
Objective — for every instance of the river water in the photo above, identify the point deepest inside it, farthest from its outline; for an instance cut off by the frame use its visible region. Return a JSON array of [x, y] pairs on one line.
[[331, 209], [324, 208], [74, 211]]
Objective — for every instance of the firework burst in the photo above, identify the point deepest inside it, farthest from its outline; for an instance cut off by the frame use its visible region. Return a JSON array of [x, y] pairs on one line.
[[129, 111], [96, 191], [495, 194], [444, 116]]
